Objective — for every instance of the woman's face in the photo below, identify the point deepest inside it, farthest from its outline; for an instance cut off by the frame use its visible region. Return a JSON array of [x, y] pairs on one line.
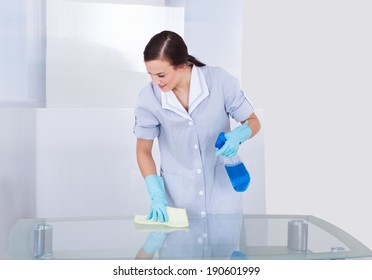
[[162, 74]]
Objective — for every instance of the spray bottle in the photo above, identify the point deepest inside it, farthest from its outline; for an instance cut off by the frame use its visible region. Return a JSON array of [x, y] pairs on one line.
[[238, 174]]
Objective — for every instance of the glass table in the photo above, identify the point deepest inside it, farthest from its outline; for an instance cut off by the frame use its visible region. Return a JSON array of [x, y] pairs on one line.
[[212, 237]]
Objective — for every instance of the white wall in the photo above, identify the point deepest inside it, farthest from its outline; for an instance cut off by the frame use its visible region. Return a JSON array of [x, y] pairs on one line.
[[94, 57], [221, 26], [308, 64]]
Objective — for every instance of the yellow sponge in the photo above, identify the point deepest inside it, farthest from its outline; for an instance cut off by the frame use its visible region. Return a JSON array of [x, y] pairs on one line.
[[177, 217]]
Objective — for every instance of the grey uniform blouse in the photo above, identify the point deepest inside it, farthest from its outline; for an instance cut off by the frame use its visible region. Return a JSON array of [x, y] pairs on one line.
[[195, 178]]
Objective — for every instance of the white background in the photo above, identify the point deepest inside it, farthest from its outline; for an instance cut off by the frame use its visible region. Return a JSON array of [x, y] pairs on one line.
[[309, 65]]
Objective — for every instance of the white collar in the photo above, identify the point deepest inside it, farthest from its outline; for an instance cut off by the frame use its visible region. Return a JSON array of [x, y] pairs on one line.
[[198, 92]]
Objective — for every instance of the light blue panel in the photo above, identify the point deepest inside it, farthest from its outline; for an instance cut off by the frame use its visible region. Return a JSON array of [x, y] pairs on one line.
[[17, 170], [22, 83], [22, 52], [13, 52]]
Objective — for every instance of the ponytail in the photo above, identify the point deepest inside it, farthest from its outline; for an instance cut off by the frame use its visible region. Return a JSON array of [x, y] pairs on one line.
[[192, 60]]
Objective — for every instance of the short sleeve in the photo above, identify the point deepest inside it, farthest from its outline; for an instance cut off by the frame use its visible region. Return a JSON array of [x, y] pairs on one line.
[[237, 104], [146, 124]]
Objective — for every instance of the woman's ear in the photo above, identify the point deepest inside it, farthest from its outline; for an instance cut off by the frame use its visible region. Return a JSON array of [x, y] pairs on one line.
[[181, 66]]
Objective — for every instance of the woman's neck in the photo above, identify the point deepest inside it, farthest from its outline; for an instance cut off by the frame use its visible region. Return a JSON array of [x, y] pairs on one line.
[[183, 86], [182, 90]]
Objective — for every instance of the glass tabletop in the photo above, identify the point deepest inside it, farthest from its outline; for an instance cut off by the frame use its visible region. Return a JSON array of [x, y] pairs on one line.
[[210, 237]]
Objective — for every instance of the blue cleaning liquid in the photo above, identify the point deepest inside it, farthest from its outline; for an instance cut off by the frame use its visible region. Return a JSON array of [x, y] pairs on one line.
[[235, 168], [239, 176]]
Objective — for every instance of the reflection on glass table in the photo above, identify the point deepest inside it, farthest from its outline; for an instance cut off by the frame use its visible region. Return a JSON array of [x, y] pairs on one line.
[[211, 237]]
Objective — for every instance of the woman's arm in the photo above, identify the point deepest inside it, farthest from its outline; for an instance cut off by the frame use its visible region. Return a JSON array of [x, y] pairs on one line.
[[145, 160], [253, 123], [154, 183]]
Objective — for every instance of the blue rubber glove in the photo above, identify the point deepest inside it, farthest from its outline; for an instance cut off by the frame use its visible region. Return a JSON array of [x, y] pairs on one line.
[[238, 255], [155, 188], [154, 242], [234, 139]]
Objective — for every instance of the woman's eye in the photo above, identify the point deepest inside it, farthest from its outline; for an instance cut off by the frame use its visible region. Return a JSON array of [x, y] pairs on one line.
[[161, 76]]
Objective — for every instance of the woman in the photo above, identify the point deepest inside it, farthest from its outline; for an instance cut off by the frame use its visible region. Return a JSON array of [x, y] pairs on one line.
[[186, 106]]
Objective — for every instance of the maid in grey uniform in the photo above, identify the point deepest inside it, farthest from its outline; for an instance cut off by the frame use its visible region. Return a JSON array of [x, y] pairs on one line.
[[186, 106]]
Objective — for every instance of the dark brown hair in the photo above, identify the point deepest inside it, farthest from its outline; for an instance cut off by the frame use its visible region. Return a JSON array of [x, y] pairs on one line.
[[171, 47]]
